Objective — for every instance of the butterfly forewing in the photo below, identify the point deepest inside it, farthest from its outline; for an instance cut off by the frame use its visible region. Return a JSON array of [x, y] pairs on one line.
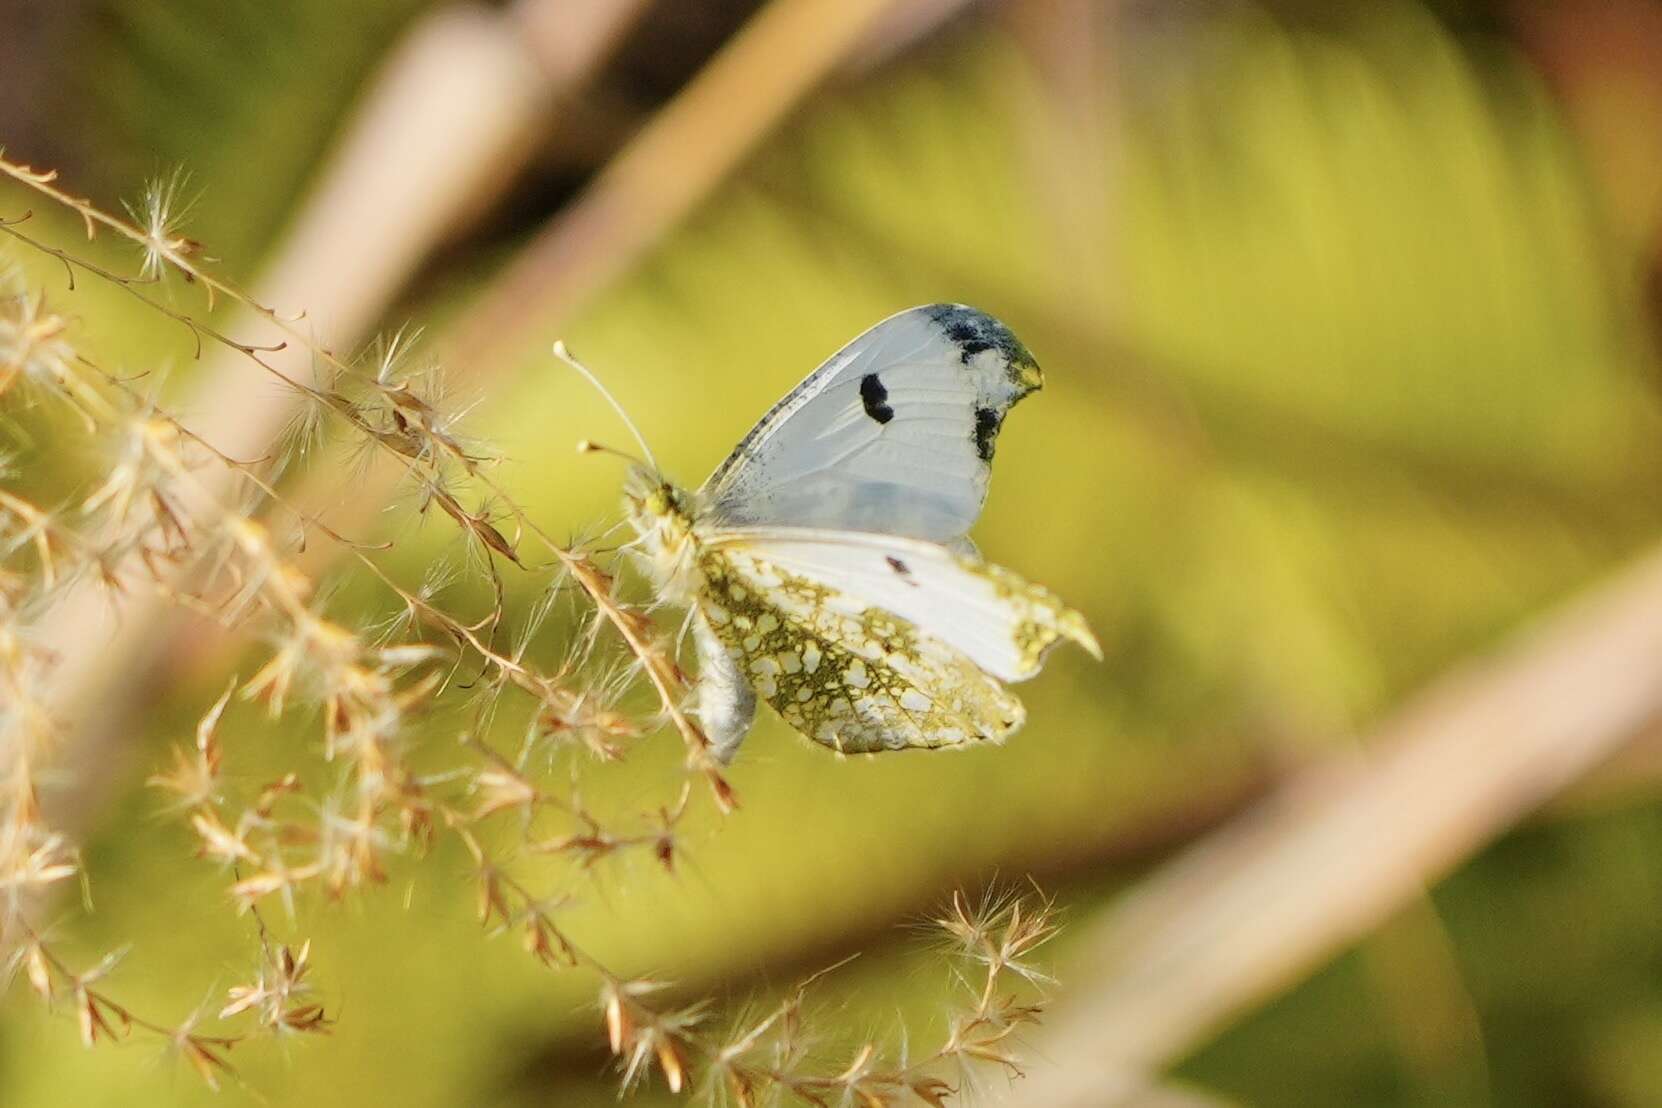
[[847, 674], [893, 434]]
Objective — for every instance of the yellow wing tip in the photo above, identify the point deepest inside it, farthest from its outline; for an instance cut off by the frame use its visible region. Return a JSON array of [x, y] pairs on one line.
[[1073, 625]]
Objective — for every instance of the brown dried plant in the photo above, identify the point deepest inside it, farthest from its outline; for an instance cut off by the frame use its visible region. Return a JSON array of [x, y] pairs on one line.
[[214, 537]]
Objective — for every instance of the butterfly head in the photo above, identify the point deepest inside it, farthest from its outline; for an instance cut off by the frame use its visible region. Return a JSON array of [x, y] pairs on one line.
[[662, 516]]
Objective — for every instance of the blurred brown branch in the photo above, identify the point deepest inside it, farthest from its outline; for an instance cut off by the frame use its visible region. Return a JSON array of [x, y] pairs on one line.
[[415, 159], [674, 163], [1252, 908], [744, 92]]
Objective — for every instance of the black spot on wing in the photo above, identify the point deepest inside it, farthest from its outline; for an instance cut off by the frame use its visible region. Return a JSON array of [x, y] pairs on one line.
[[876, 398], [975, 331], [987, 422]]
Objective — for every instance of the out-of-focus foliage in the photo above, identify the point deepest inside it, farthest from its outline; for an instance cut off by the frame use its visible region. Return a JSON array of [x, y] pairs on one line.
[[243, 95], [1344, 381]]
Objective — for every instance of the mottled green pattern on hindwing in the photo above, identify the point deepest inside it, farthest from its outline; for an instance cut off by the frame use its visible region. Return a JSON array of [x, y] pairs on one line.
[[1044, 619], [852, 677]]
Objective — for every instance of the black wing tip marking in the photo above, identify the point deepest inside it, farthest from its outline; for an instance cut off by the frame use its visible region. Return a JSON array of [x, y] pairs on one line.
[[987, 423], [974, 331]]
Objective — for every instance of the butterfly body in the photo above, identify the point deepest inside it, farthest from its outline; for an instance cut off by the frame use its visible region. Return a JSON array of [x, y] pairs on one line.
[[826, 563]]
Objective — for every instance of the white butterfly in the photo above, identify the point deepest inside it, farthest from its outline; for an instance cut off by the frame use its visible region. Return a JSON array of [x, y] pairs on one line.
[[826, 563]]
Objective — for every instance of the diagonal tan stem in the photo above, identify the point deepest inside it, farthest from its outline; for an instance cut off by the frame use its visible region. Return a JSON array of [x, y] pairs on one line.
[[1250, 910], [692, 145]]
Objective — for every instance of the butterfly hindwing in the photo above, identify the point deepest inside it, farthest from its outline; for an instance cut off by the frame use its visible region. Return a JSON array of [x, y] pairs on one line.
[[844, 672], [1002, 623], [894, 433]]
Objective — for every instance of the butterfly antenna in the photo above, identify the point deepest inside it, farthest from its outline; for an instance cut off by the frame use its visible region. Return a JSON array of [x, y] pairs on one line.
[[565, 356]]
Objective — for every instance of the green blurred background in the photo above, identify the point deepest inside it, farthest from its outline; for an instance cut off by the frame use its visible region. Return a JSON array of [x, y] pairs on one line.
[[1347, 313]]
